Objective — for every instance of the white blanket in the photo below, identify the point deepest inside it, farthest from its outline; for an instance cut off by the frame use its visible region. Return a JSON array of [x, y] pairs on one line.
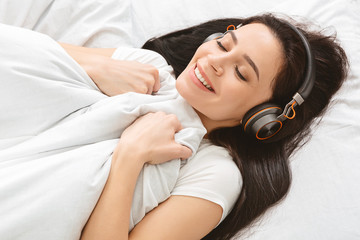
[[58, 134]]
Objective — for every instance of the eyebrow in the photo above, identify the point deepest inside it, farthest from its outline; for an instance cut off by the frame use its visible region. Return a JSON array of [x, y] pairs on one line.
[[247, 58], [252, 64], [233, 37]]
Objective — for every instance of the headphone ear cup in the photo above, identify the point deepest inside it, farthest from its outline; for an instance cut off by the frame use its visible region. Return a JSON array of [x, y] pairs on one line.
[[213, 36], [262, 121]]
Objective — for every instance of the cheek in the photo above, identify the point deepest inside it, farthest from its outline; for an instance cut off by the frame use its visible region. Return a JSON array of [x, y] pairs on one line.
[[233, 106], [229, 105], [238, 101], [181, 85]]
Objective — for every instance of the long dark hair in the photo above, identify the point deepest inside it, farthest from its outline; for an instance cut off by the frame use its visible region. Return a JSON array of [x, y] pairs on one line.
[[264, 165]]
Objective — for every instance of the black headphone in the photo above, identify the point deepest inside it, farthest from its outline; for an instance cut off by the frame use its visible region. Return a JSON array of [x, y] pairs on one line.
[[265, 120]]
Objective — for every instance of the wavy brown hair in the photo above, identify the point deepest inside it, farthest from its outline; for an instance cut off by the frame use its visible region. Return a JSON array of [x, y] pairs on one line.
[[264, 165]]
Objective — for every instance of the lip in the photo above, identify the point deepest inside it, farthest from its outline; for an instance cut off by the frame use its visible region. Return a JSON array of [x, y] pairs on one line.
[[197, 82], [205, 76]]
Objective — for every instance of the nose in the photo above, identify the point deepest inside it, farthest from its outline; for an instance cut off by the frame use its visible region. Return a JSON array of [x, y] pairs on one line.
[[217, 61]]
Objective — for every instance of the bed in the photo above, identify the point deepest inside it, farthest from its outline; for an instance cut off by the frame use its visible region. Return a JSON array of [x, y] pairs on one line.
[[324, 199]]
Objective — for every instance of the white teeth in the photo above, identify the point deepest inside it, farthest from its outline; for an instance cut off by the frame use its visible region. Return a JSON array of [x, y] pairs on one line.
[[202, 79]]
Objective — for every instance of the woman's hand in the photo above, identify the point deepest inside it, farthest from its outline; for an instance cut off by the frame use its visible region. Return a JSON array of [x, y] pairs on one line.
[[112, 76], [151, 139], [115, 77]]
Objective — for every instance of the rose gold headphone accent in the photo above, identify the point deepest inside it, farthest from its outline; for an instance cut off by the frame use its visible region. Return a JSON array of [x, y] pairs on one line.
[[293, 110], [256, 114], [230, 26]]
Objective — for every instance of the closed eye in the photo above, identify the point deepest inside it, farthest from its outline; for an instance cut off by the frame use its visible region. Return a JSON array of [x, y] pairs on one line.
[[236, 67], [239, 73], [221, 46]]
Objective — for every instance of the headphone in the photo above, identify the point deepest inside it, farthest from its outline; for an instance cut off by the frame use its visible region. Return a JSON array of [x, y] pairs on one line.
[[265, 120]]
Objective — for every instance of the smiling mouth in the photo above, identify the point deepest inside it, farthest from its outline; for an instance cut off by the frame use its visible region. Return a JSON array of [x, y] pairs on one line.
[[202, 79]]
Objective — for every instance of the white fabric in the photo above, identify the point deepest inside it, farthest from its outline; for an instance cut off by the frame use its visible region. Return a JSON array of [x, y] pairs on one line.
[[323, 202], [212, 175], [55, 119]]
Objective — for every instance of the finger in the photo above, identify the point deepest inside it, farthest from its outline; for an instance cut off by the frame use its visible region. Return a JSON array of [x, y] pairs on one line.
[[157, 81], [175, 122], [149, 89], [180, 151]]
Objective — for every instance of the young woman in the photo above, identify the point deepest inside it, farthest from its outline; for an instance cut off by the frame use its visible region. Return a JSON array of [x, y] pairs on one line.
[[262, 61]]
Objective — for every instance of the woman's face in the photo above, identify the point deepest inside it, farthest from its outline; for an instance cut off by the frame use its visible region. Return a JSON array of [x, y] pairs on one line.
[[229, 76]]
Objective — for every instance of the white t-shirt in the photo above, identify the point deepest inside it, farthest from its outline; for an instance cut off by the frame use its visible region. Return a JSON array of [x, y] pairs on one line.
[[212, 175]]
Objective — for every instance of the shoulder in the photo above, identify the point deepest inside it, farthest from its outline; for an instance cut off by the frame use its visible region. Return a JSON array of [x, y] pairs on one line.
[[140, 55], [212, 175]]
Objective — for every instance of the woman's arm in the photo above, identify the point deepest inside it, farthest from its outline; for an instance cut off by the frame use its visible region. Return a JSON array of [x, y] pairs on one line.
[[112, 76], [178, 218], [149, 140]]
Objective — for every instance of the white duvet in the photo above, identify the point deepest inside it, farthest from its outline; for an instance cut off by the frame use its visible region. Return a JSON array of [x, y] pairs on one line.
[[323, 202], [58, 133]]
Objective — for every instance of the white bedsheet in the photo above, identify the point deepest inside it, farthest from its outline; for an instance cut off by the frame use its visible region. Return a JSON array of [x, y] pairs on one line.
[[323, 202]]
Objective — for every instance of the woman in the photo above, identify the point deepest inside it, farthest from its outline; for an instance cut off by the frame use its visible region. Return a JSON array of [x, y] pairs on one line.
[[279, 57], [231, 86]]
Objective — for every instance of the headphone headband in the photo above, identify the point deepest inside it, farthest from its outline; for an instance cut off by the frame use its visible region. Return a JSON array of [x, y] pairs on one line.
[[309, 78]]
